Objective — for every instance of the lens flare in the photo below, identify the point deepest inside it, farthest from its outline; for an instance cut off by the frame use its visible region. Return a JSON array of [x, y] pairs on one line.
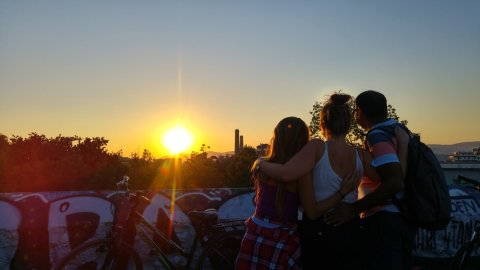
[[177, 140]]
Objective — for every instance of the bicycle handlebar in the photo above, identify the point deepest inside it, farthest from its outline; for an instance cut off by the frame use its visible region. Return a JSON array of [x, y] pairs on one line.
[[474, 182]]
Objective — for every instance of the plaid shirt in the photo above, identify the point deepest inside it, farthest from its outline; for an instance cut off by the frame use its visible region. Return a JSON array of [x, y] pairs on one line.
[[265, 248]]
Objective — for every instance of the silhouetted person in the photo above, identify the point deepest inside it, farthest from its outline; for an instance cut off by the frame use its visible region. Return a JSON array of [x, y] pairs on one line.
[[389, 239]]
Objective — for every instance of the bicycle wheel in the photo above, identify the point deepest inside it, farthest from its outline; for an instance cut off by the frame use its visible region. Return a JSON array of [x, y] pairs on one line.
[[463, 260], [98, 254], [220, 253]]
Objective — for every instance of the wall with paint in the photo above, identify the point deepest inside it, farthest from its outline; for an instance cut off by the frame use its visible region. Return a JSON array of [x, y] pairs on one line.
[[37, 229]]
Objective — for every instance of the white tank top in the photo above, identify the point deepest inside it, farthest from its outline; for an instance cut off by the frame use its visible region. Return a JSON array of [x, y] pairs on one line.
[[326, 182]]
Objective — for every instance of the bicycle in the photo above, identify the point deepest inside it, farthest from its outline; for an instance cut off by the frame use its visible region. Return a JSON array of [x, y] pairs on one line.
[[462, 258], [220, 241]]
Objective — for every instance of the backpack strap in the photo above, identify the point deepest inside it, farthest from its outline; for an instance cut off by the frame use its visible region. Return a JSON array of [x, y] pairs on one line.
[[402, 126]]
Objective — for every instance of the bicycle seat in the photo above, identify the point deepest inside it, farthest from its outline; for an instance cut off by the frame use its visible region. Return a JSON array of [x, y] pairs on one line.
[[205, 216]]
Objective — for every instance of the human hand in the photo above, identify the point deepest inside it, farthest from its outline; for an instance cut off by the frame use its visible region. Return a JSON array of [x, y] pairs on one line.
[[350, 183], [341, 214], [256, 165]]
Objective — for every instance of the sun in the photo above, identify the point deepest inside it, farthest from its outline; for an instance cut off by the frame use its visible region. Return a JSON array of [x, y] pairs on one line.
[[177, 140]]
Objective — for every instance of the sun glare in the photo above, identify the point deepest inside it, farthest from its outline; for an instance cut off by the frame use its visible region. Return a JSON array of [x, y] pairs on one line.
[[177, 140]]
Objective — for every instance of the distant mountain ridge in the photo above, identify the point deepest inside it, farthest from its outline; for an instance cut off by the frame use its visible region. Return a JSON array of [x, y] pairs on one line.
[[217, 154], [447, 149]]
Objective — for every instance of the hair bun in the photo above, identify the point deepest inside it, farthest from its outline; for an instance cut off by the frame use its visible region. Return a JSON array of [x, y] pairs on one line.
[[340, 99]]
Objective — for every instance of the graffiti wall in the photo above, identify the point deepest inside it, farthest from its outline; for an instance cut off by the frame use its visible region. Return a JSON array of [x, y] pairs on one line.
[[37, 229], [465, 217]]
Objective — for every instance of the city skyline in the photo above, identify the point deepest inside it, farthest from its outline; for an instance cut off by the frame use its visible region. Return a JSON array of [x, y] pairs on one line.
[[129, 71]]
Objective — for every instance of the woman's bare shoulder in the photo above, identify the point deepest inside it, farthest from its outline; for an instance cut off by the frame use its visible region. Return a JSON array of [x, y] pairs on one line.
[[317, 146]]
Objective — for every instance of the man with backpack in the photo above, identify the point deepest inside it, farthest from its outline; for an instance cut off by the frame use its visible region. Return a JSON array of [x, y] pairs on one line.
[[389, 237]]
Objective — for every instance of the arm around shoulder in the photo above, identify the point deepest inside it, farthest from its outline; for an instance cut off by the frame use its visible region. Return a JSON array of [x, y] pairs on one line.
[[299, 165], [391, 182]]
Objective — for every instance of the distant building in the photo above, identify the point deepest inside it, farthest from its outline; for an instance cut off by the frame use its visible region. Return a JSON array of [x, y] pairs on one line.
[[462, 163], [465, 157], [237, 141], [262, 149], [241, 143]]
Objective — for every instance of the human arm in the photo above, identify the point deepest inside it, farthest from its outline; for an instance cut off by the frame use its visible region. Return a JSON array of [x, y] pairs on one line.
[[391, 181], [369, 171], [299, 165], [315, 209]]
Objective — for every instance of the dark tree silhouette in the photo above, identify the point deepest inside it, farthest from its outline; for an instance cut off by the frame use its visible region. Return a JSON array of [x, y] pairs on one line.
[[238, 171], [200, 171], [38, 163]]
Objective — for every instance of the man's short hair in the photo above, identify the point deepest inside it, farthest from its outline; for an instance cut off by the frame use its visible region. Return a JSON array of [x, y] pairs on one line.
[[373, 104]]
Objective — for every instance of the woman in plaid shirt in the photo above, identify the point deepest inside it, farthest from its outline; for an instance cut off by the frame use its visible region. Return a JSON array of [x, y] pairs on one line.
[[271, 240]]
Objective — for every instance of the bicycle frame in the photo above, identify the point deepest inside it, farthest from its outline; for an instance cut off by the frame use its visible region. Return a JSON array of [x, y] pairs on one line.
[[137, 224], [474, 182], [118, 251], [147, 233]]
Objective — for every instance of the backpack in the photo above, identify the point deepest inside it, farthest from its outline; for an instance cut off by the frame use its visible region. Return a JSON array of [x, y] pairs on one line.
[[426, 201]]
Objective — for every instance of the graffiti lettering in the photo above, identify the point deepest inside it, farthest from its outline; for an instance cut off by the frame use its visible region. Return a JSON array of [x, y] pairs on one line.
[[445, 241], [466, 206], [458, 232], [425, 240]]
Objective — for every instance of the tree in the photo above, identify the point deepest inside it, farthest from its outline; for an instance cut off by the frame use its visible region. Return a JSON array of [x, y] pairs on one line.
[[199, 171], [149, 173], [357, 134], [238, 171], [4, 147], [38, 163]]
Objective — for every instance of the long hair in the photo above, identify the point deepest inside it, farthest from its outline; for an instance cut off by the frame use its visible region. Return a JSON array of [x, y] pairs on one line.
[[289, 136]]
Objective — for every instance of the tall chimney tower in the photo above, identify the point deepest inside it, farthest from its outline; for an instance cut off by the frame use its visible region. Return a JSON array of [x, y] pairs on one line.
[[237, 143], [241, 143]]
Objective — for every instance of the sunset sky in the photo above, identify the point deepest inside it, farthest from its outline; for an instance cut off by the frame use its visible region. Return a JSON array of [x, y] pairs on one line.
[[129, 70]]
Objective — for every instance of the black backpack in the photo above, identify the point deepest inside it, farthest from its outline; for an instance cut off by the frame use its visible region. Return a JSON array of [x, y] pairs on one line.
[[426, 201]]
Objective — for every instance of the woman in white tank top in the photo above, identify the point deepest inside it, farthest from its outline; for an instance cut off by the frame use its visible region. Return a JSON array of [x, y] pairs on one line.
[[326, 181], [330, 172]]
